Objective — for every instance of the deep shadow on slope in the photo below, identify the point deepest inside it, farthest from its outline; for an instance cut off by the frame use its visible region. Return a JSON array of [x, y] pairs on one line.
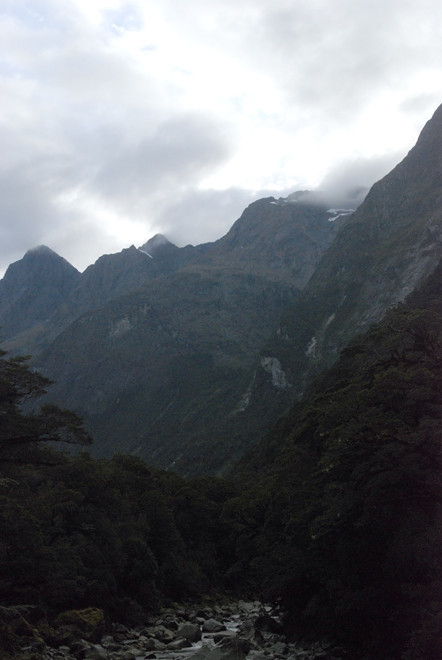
[[342, 519]]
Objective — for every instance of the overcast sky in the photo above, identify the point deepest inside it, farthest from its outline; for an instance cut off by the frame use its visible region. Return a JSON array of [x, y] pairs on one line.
[[120, 119]]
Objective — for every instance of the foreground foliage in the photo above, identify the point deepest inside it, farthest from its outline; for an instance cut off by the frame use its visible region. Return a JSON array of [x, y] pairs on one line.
[[115, 534], [77, 532]]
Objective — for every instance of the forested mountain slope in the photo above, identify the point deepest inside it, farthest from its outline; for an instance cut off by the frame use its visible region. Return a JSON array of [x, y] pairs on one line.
[[342, 519]]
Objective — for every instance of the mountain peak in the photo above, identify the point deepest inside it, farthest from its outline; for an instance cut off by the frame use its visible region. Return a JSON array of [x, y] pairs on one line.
[[33, 287], [41, 249], [40, 261], [282, 239], [157, 242]]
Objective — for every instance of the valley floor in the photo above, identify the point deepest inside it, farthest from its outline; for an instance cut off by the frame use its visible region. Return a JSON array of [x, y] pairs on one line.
[[235, 631]]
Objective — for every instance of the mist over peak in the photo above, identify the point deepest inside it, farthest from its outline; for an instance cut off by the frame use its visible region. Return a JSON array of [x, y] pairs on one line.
[[347, 184], [344, 198], [157, 241], [42, 250]]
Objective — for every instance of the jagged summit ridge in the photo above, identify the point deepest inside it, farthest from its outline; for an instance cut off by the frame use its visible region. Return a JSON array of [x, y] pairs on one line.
[[173, 337], [281, 239]]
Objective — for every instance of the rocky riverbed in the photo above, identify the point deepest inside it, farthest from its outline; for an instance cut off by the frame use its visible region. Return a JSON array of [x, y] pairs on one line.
[[237, 631]]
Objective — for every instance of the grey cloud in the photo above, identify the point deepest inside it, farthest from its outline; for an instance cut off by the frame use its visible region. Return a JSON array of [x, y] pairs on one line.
[[82, 241], [80, 118], [71, 64], [26, 216], [347, 184], [201, 216], [34, 174], [332, 59], [179, 151], [30, 216], [64, 137], [419, 105]]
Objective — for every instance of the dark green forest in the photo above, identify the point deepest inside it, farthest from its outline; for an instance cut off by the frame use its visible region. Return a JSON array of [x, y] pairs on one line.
[[348, 512], [336, 515]]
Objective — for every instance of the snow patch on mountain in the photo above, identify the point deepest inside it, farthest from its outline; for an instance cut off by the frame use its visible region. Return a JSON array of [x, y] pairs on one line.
[[337, 213], [144, 252]]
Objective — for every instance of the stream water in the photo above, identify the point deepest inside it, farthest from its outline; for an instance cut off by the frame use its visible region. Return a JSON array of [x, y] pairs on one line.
[[236, 631]]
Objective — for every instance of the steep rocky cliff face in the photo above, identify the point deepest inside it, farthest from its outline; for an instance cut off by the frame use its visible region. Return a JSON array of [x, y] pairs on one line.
[[33, 288], [281, 239], [158, 371], [381, 253], [154, 346]]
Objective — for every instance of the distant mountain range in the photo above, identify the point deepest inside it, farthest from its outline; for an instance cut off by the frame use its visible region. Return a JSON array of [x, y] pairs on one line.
[[186, 356]]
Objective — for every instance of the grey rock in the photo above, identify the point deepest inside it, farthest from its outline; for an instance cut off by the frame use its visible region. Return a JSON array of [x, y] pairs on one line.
[[247, 627], [190, 632], [279, 648], [130, 654], [266, 623], [237, 643], [80, 647], [120, 628], [178, 644], [163, 634], [96, 652], [247, 606], [151, 644], [213, 626], [229, 649], [205, 613], [154, 645], [171, 622], [223, 634]]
